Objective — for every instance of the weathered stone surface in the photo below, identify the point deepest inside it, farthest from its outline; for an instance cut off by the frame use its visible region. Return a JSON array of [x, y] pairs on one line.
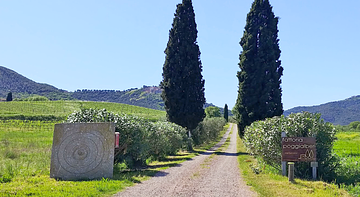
[[82, 151]]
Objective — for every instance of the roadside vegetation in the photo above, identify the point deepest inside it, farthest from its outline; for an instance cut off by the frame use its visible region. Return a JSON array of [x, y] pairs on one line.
[[337, 154], [25, 150], [267, 182]]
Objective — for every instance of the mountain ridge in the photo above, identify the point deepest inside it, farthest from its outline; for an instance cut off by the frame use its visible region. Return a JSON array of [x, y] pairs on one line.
[[337, 112], [147, 96], [340, 112]]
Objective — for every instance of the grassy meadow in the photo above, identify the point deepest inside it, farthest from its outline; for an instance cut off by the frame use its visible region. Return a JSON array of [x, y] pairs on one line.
[[59, 110], [25, 152]]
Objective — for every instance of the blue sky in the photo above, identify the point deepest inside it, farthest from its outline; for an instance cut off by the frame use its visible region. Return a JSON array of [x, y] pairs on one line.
[[119, 44]]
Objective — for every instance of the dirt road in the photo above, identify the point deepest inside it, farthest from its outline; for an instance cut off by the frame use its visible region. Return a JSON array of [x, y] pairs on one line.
[[205, 175]]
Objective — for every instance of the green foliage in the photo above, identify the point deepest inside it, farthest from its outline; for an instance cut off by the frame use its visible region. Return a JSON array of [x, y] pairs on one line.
[[208, 130], [139, 138], [9, 97], [354, 125], [212, 112], [34, 98], [182, 84], [348, 170], [259, 94], [226, 113], [347, 146], [166, 139], [263, 138]]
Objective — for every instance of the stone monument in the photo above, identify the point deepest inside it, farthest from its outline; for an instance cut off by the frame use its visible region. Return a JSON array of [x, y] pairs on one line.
[[82, 151]]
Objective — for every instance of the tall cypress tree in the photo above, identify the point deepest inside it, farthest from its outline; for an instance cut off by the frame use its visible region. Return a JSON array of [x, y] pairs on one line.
[[226, 113], [9, 97], [259, 94], [183, 85]]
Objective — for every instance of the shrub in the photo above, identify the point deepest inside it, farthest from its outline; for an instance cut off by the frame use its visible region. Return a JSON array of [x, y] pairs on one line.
[[36, 98], [140, 139], [212, 112], [208, 130], [263, 138], [167, 138], [348, 170], [354, 125]]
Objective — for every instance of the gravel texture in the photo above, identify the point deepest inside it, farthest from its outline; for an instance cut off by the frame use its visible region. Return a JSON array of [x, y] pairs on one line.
[[207, 174]]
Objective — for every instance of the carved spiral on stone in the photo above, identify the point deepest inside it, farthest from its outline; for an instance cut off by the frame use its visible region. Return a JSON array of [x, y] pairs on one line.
[[80, 153]]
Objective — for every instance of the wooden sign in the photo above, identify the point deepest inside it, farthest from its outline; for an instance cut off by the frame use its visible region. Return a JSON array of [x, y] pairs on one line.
[[298, 149]]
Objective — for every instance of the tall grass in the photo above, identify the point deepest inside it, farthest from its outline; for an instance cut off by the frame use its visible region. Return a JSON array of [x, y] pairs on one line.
[[347, 147], [25, 148]]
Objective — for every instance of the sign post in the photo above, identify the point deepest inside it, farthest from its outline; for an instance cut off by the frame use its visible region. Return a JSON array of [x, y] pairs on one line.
[[296, 149], [283, 163]]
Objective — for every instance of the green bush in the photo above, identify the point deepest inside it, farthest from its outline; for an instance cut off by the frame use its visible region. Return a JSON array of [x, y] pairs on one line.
[[34, 98], [208, 130], [212, 112], [263, 138], [140, 139], [32, 117], [166, 139], [354, 125], [348, 171]]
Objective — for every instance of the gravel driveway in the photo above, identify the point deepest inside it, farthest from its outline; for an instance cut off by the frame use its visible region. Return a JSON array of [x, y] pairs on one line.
[[207, 174]]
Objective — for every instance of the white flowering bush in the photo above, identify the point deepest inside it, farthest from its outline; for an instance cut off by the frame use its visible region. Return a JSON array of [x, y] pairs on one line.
[[263, 139], [140, 139]]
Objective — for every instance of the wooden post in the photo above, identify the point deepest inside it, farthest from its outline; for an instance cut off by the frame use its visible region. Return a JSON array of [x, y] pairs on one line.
[[314, 166], [283, 167], [291, 171], [283, 163]]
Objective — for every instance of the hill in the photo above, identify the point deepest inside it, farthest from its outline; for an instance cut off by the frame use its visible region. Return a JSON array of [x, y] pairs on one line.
[[339, 112], [20, 86], [147, 96]]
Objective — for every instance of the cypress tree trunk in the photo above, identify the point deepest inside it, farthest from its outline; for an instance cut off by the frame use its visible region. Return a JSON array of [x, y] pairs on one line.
[[182, 84], [259, 94]]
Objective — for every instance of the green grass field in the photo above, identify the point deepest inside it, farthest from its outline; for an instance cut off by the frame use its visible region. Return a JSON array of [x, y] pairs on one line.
[[25, 152], [348, 144], [61, 109]]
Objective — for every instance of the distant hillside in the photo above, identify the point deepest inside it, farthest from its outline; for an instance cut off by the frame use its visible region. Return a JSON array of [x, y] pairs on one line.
[[10, 81], [339, 112], [147, 96], [22, 87]]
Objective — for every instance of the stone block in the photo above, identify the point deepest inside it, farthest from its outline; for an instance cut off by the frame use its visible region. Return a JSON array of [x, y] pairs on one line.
[[82, 151]]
